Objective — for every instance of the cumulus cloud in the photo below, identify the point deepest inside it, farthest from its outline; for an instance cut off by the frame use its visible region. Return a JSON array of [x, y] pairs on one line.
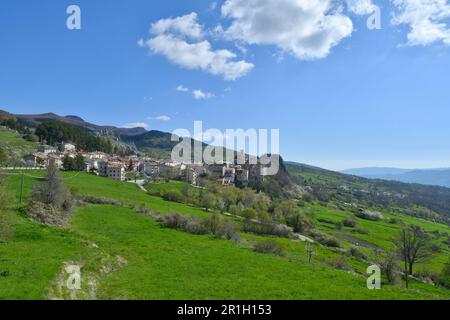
[[181, 41], [361, 7], [308, 29], [426, 19], [200, 95], [133, 125], [182, 88], [185, 26]]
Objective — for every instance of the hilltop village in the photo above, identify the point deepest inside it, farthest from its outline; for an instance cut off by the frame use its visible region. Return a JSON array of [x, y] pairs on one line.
[[133, 167]]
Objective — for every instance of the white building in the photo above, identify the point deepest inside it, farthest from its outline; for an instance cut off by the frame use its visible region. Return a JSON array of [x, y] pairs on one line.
[[47, 149], [151, 168], [115, 172], [67, 147]]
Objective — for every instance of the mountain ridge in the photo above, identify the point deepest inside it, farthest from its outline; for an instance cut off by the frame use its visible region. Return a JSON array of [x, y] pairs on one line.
[[433, 177]]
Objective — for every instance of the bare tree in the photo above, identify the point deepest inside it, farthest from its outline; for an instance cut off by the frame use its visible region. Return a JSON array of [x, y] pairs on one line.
[[53, 192], [412, 246]]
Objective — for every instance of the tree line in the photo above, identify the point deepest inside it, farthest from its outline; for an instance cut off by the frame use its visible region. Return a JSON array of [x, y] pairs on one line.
[[57, 132]]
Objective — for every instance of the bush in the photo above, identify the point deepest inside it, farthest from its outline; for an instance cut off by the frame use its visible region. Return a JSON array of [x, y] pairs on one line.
[[350, 222], [249, 213], [189, 224], [370, 215], [228, 230], [340, 263], [361, 231], [390, 268], [197, 225], [101, 201], [355, 252], [331, 242], [428, 276], [269, 246], [48, 214], [394, 221], [214, 223], [173, 195], [316, 235], [270, 229]]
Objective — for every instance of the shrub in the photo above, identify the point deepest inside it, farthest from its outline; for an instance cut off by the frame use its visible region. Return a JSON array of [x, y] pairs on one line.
[[228, 230], [271, 229], [51, 203], [189, 224], [269, 246], [390, 268], [214, 223], [174, 220], [102, 201], [197, 225], [317, 235], [48, 214], [393, 221], [370, 215], [249, 213], [355, 252], [331, 242], [361, 231], [173, 195], [340, 263], [350, 222], [429, 276]]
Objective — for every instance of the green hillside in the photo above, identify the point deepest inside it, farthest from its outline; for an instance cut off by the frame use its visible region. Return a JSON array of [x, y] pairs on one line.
[[14, 145], [125, 254]]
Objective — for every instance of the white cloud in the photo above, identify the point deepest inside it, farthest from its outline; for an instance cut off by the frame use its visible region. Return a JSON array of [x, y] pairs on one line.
[[361, 7], [181, 41], [308, 29], [133, 125], [184, 26], [160, 118], [200, 95], [426, 18], [182, 88]]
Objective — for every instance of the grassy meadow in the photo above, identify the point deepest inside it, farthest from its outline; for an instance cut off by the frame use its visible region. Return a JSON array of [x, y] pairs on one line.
[[127, 255]]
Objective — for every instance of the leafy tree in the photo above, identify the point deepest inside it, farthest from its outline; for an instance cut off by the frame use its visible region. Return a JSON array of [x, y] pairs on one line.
[[79, 163], [58, 132], [208, 200], [249, 213], [68, 163]]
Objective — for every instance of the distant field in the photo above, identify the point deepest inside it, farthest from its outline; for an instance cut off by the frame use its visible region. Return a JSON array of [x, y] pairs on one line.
[[159, 263], [15, 146]]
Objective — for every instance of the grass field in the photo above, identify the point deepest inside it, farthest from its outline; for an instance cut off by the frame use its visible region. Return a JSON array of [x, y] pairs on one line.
[[126, 255]]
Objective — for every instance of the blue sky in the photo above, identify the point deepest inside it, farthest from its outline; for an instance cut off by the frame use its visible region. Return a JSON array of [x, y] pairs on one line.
[[350, 97]]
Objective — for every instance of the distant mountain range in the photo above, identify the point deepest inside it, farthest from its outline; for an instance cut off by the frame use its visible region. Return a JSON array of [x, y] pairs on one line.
[[33, 120], [436, 177]]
